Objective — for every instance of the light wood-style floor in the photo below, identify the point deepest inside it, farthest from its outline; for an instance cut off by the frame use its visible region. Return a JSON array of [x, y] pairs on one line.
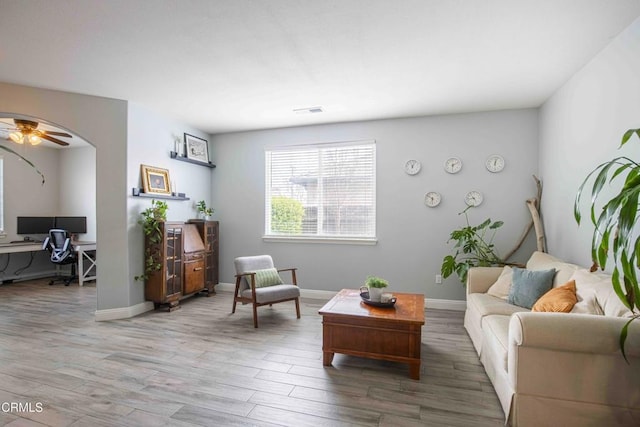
[[202, 366]]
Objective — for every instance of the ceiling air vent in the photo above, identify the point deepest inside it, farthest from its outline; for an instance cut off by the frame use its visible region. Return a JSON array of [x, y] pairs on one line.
[[308, 110]]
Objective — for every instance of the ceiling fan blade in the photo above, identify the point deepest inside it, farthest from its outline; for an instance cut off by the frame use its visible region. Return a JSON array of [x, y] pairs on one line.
[[52, 139], [66, 135]]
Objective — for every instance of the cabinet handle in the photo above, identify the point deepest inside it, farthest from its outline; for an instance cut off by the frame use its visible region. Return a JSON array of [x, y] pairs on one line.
[[197, 269]]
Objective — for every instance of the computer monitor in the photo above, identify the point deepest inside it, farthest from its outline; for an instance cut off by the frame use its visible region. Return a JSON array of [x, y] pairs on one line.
[[73, 224], [35, 224]]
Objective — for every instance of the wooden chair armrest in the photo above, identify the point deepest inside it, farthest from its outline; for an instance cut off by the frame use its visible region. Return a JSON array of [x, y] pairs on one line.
[[293, 274]]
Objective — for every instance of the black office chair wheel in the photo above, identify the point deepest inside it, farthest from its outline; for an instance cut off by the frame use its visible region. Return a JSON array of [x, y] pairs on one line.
[[51, 282]]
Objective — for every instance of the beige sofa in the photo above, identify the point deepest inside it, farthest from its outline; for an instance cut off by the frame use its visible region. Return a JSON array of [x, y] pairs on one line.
[[557, 369]]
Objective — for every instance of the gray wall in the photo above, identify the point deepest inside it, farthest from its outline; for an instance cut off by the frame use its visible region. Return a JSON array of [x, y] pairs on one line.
[[151, 138], [411, 237], [580, 127]]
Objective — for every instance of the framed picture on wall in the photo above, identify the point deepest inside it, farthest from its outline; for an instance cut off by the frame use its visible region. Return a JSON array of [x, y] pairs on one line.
[[197, 148], [155, 180]]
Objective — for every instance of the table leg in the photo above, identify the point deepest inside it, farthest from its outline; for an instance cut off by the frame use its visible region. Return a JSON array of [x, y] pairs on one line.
[[414, 370], [327, 358]]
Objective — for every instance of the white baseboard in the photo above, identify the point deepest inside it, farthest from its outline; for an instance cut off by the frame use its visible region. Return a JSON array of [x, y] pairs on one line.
[[438, 304], [445, 304], [123, 312], [28, 276]]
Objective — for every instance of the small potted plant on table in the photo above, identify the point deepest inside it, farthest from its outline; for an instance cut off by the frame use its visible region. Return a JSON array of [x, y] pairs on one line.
[[375, 285]]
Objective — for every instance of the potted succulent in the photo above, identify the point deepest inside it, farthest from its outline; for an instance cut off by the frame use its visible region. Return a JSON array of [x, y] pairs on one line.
[[203, 210], [375, 285], [616, 227], [151, 220]]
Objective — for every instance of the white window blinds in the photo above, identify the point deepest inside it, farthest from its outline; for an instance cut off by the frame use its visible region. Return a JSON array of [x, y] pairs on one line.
[[321, 190]]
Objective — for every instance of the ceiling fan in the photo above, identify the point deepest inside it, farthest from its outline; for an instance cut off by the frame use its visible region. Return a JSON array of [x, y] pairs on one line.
[[27, 131]]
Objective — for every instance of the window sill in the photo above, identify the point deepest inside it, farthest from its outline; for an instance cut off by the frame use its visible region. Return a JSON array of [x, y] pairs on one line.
[[321, 240]]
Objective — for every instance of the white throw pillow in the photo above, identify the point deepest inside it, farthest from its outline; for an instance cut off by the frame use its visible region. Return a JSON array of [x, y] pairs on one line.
[[502, 286], [598, 285]]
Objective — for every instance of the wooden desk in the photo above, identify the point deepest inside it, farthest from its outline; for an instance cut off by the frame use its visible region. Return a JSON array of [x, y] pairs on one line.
[[84, 250], [350, 326]]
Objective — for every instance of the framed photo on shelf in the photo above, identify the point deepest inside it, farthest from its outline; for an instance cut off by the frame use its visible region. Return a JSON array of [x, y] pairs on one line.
[[155, 180], [197, 148]]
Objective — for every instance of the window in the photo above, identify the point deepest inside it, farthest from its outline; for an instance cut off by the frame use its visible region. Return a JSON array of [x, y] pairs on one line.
[[321, 192]]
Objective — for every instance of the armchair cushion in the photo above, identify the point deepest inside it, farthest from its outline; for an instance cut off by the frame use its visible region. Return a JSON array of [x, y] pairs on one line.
[[273, 293], [267, 277]]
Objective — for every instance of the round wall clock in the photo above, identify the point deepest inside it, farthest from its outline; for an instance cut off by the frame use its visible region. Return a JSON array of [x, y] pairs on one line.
[[453, 165], [495, 163], [473, 198], [432, 199], [412, 167]]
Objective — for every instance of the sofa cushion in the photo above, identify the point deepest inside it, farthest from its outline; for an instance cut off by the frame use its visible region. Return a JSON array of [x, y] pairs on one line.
[[544, 261], [486, 305], [529, 285], [502, 286], [496, 334], [588, 284], [560, 299]]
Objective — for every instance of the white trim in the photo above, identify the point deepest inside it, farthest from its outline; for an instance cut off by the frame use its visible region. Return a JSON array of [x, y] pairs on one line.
[[445, 304], [29, 276], [437, 304], [123, 312], [322, 240]]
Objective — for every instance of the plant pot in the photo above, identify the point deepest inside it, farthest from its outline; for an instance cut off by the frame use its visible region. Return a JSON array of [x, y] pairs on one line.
[[375, 294]]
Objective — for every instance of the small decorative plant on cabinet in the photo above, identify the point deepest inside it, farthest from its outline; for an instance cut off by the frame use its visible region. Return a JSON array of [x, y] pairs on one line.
[[151, 221], [203, 211]]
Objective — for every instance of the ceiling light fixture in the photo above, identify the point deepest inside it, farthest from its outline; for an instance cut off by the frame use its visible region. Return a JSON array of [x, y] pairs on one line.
[[20, 138], [309, 110]]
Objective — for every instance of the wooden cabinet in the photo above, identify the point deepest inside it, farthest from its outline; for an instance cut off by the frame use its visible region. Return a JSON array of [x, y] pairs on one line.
[[209, 231], [185, 255]]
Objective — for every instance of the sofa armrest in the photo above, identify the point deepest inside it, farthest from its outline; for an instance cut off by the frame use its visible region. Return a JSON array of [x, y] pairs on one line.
[[573, 358], [480, 279], [573, 332]]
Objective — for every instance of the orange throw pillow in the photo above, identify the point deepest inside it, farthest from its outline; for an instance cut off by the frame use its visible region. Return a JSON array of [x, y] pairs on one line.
[[560, 299]]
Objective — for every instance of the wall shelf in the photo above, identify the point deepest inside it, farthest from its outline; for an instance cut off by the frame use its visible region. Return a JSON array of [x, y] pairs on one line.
[[137, 192], [175, 156]]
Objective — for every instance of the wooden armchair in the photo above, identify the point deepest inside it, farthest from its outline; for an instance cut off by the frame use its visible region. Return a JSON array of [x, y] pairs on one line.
[[258, 283]]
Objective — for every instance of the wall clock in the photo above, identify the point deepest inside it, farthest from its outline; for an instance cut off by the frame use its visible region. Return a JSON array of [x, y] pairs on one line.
[[432, 199], [412, 167], [495, 163], [453, 165], [473, 198]]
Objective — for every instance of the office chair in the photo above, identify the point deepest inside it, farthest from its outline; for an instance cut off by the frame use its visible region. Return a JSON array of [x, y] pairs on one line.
[[59, 246]]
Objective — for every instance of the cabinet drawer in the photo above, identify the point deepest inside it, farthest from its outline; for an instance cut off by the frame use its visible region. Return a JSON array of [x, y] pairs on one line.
[[193, 276]]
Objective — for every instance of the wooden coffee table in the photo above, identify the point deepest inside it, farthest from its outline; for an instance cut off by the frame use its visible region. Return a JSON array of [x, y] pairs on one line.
[[349, 326]]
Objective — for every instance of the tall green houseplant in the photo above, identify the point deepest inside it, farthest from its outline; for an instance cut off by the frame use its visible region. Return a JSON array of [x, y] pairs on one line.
[[151, 220], [473, 247], [616, 230]]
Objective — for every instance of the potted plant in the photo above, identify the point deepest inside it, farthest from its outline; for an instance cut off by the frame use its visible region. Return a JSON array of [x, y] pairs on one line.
[[375, 285], [616, 231], [151, 220], [473, 248], [203, 210]]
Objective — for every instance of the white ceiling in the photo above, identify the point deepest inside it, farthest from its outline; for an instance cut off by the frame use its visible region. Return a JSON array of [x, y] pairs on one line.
[[230, 65]]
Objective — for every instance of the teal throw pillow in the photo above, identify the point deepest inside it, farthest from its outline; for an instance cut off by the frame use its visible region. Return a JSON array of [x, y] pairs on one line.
[[529, 285], [266, 277]]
